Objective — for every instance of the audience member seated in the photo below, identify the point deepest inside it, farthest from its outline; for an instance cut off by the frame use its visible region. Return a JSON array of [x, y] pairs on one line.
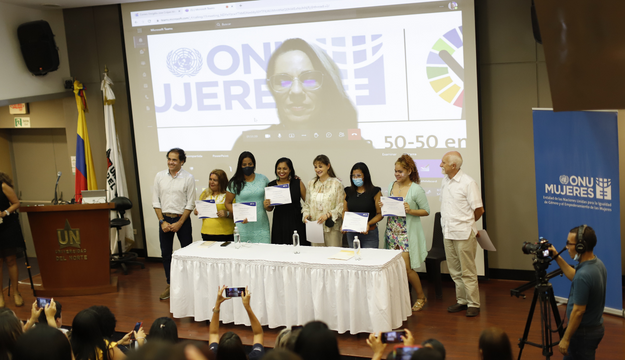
[[43, 343], [286, 338], [436, 345], [427, 353], [317, 342], [10, 331], [88, 342], [46, 315], [230, 346], [495, 345], [281, 354], [164, 329]]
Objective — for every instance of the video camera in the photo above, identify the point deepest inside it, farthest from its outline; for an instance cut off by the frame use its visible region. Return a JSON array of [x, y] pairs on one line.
[[540, 249]]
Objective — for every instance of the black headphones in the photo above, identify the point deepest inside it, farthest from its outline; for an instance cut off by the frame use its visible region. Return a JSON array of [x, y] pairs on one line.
[[580, 245]]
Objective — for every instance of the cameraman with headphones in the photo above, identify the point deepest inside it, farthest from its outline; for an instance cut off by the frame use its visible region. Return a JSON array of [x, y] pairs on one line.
[[587, 297]]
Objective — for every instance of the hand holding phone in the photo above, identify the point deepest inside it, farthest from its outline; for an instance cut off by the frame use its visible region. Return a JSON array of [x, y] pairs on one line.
[[393, 336], [137, 327]]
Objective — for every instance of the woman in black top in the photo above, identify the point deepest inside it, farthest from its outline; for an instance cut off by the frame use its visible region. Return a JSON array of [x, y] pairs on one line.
[[288, 217], [11, 239], [362, 196]]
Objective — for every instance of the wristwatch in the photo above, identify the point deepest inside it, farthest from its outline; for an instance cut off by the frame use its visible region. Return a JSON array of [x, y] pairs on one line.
[[161, 221]]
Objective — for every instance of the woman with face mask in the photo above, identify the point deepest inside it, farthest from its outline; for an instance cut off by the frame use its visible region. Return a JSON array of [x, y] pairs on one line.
[[248, 186], [324, 202], [406, 233], [363, 197]]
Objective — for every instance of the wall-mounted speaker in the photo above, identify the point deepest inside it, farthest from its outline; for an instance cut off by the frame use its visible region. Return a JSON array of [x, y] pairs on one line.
[[38, 47]]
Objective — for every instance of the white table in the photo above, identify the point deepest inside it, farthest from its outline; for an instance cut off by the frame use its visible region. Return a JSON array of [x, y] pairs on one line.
[[287, 289]]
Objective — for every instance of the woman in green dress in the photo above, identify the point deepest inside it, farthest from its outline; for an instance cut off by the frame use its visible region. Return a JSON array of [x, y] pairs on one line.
[[248, 186], [406, 233]]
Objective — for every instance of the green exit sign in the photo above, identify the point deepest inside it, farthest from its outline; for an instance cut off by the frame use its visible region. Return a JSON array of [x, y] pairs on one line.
[[22, 122]]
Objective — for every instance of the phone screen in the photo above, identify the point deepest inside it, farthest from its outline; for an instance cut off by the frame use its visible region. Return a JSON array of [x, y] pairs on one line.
[[138, 325], [393, 336], [405, 352], [42, 302], [235, 292]]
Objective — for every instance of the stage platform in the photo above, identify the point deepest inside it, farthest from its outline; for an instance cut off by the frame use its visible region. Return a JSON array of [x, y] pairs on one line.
[[137, 300]]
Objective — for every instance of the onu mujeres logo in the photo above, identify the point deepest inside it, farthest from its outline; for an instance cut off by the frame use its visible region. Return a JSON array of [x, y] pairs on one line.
[[581, 186]]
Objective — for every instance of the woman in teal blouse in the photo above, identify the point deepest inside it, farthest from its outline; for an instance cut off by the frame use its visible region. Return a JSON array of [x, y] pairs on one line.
[[406, 233], [248, 186]]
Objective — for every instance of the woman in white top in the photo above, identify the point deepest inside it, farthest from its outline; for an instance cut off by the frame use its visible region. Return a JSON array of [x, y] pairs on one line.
[[324, 202]]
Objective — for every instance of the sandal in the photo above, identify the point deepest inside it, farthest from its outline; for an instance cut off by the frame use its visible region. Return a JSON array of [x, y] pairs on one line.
[[18, 299], [418, 305]]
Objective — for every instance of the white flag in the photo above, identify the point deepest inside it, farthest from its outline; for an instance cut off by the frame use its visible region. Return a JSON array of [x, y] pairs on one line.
[[115, 176]]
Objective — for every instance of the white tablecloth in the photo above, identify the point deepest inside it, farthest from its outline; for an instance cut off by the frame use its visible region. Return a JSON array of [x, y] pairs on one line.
[[367, 295]]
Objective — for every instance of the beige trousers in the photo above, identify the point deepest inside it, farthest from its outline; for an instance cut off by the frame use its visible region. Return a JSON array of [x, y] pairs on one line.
[[461, 263]]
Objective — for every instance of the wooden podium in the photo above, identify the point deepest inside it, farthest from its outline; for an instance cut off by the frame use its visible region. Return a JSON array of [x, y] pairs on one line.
[[73, 251]]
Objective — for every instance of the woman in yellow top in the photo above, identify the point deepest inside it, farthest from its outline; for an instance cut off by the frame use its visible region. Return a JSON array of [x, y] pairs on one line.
[[220, 228]]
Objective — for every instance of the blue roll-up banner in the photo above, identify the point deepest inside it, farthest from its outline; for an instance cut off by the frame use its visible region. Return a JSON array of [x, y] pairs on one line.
[[577, 182]]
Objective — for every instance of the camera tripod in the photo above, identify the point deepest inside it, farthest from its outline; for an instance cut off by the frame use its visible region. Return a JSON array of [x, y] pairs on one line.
[[544, 296]]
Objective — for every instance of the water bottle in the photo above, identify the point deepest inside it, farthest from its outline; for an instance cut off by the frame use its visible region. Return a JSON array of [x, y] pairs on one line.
[[295, 242], [357, 248], [237, 238]]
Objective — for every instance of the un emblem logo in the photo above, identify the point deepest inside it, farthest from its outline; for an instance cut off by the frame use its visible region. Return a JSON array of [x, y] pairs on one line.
[[184, 62], [564, 179]]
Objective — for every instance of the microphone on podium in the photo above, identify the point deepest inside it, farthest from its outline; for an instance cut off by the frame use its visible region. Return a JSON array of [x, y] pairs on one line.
[[56, 199]]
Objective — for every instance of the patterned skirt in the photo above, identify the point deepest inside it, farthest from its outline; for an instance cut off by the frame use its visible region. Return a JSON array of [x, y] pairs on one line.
[[396, 236]]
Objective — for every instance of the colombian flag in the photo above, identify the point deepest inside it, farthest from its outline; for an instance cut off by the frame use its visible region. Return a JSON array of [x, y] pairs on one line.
[[85, 172]]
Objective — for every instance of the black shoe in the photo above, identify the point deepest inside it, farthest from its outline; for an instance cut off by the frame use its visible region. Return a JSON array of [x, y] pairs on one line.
[[473, 311], [456, 308]]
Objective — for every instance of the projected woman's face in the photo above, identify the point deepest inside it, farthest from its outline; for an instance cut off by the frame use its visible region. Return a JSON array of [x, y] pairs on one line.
[[298, 104]]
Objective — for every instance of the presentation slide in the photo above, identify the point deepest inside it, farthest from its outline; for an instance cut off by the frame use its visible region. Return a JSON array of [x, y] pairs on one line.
[[364, 80]]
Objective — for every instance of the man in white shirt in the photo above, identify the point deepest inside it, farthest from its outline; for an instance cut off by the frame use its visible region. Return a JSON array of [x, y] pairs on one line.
[[461, 207], [173, 200]]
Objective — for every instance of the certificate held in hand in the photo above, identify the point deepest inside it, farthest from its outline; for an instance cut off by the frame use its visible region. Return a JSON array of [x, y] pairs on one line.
[[244, 210], [355, 222], [393, 206], [278, 195], [206, 209]]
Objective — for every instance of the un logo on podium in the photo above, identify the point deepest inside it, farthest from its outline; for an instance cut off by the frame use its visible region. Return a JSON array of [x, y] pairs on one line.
[[68, 237], [184, 62]]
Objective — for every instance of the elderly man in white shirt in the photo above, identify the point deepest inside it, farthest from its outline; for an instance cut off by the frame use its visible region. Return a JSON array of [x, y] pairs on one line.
[[173, 200], [461, 207]]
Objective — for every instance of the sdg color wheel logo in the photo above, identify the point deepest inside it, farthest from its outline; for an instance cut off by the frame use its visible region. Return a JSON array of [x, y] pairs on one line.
[[184, 62], [445, 69]]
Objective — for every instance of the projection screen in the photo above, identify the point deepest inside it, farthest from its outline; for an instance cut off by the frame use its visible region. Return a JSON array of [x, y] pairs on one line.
[[198, 78]]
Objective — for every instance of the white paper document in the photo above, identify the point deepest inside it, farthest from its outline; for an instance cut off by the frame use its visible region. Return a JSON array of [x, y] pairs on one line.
[[343, 255], [484, 241], [355, 222], [393, 206], [207, 244], [314, 232], [278, 195], [244, 210], [206, 209]]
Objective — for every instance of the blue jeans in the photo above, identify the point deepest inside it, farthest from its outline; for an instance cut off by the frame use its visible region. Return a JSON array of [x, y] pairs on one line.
[[185, 237], [370, 240], [584, 343]]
